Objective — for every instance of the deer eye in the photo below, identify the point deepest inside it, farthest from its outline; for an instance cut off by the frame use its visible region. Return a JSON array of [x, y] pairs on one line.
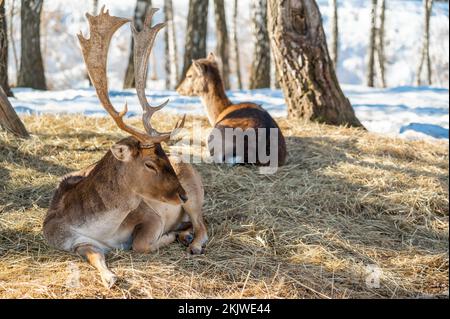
[[151, 166]]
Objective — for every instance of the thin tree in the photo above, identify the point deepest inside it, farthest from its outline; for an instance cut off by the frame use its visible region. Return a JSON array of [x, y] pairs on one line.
[[11, 34], [380, 44], [4, 52], [172, 64], [334, 32], [260, 71], [197, 24], [425, 58], [372, 45], [31, 73], [140, 12], [8, 117], [308, 78], [237, 57], [223, 42]]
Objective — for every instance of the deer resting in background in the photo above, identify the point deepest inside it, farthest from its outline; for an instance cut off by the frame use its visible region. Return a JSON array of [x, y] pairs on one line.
[[135, 197], [203, 79]]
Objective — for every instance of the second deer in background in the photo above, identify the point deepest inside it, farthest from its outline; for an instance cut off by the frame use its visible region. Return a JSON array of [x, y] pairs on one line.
[[203, 79]]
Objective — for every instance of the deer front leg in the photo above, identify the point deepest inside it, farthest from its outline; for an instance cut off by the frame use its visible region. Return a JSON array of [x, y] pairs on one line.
[[200, 234], [96, 258], [147, 238]]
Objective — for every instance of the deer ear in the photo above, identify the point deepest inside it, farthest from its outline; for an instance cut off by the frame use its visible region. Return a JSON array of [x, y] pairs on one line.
[[212, 57], [122, 152], [200, 68]]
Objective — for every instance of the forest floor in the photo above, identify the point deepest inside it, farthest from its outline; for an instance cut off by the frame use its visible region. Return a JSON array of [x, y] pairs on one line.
[[350, 210]]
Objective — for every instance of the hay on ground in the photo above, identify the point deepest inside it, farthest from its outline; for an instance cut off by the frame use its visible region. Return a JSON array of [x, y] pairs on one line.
[[349, 206]]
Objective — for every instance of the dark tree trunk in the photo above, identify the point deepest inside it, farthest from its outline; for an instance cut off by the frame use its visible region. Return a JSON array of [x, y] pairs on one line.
[[31, 72], [172, 65], [260, 72], [372, 45], [334, 32], [4, 52], [380, 45], [237, 56], [223, 42], [9, 119], [197, 24], [307, 75], [425, 54], [142, 6]]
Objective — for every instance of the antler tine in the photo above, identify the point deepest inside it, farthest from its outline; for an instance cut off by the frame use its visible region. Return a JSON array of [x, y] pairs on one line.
[[143, 44], [95, 53]]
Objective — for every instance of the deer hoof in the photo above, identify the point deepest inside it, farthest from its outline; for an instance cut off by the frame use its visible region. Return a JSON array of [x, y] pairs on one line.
[[185, 238], [109, 280], [195, 250]]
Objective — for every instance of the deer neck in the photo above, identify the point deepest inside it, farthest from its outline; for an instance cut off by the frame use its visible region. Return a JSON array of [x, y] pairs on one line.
[[106, 182], [215, 101]]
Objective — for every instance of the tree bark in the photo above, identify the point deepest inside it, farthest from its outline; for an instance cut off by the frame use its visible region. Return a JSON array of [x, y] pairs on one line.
[[197, 24], [11, 35], [372, 45], [237, 56], [260, 71], [4, 52], [334, 32], [307, 75], [9, 119], [31, 72], [172, 64], [141, 9], [380, 45], [425, 54], [223, 47]]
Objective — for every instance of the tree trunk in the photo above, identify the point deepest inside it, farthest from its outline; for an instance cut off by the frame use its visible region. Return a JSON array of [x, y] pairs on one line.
[[260, 72], [334, 32], [425, 54], [31, 72], [11, 35], [308, 78], [223, 48], [372, 46], [9, 119], [197, 25], [172, 64], [140, 12], [380, 45], [4, 52], [237, 56]]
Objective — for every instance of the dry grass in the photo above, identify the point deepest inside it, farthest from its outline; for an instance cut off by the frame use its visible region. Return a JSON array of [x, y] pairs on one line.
[[346, 200]]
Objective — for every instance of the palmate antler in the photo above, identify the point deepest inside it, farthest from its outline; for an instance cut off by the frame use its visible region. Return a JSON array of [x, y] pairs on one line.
[[95, 53], [143, 44]]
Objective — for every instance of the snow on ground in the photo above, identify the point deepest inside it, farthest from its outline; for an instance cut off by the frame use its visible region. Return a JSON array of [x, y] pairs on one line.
[[410, 112]]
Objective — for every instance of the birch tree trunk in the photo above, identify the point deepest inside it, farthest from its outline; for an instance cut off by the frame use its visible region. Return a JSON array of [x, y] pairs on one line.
[[142, 6], [372, 45], [172, 64], [260, 71], [4, 52], [237, 56], [31, 72], [197, 24], [223, 42], [334, 32], [308, 78], [9, 119], [425, 54]]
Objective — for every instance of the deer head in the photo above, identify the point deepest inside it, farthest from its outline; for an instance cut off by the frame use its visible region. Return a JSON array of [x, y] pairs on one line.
[[144, 165], [200, 76]]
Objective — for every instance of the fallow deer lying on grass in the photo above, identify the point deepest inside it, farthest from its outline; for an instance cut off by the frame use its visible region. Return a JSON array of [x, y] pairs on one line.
[[135, 196], [203, 79]]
